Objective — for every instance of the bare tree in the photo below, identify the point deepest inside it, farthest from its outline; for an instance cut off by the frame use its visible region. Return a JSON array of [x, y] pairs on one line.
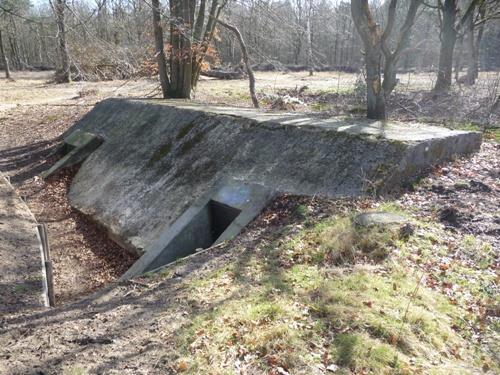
[[251, 76], [486, 10], [160, 52], [392, 54], [190, 40], [448, 14], [309, 31], [376, 46], [5, 61], [63, 73]]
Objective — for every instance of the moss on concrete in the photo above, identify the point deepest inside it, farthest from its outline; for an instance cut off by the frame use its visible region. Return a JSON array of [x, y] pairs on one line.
[[191, 143], [185, 130], [160, 153]]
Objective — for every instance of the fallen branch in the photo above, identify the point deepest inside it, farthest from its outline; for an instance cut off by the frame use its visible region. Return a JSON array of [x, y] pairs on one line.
[[251, 76]]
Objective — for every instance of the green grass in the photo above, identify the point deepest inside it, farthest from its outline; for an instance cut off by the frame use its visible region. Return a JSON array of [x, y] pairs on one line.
[[320, 107], [491, 134], [328, 293]]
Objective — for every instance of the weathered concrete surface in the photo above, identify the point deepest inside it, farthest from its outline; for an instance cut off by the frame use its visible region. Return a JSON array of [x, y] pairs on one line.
[[157, 159], [22, 279], [76, 148], [192, 230]]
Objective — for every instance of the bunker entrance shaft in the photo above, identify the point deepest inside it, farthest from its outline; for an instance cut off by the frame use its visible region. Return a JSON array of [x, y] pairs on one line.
[[207, 226]]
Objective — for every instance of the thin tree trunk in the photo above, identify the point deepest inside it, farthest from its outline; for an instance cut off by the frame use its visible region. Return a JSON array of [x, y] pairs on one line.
[[251, 76], [470, 78], [374, 91], [64, 74], [390, 80], [371, 36], [213, 16], [309, 40], [479, 38], [392, 57], [160, 52], [448, 40], [5, 61], [14, 43], [473, 44], [458, 59]]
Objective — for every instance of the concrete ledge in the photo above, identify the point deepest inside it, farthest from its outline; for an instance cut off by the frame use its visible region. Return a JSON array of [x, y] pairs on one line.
[[23, 282], [78, 146]]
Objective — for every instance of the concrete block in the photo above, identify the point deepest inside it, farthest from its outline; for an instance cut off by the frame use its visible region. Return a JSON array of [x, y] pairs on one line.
[[76, 148]]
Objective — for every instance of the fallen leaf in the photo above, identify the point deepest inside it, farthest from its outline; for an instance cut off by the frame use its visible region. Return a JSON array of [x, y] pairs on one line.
[[332, 368]]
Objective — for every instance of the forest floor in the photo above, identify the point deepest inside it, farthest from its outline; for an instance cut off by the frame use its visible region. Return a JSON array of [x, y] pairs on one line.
[[276, 300]]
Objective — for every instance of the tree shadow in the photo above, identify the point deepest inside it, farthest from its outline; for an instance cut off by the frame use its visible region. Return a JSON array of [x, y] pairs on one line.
[[29, 160]]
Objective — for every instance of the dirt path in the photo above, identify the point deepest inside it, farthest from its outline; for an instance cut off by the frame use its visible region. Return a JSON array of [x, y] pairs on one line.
[[21, 274], [84, 259]]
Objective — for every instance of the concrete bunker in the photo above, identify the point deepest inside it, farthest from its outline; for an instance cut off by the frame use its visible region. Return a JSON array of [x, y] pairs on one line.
[[217, 216], [169, 177]]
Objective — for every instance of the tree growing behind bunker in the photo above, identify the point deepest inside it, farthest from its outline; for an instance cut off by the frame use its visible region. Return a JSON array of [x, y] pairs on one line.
[[270, 187]]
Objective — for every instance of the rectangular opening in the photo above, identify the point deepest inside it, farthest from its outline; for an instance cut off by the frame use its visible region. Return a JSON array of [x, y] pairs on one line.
[[200, 232], [208, 225], [221, 216], [65, 149]]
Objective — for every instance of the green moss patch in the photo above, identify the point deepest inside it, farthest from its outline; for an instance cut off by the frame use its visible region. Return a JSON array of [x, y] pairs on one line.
[[162, 151]]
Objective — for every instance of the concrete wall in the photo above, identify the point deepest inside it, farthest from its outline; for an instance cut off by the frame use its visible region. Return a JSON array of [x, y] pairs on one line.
[[157, 159]]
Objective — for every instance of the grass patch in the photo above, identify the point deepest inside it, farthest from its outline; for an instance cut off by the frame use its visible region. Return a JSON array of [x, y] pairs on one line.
[[321, 294], [320, 107], [337, 241], [491, 134]]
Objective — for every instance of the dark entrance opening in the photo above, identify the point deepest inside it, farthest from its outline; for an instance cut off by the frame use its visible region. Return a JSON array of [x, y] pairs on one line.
[[204, 228], [221, 216]]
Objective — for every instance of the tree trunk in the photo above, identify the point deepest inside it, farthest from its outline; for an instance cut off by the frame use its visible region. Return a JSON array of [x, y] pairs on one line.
[[458, 59], [64, 74], [251, 76], [372, 41], [472, 68], [309, 40], [473, 44], [448, 40], [374, 91], [5, 61], [390, 80], [160, 52], [14, 43], [181, 57], [479, 38]]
